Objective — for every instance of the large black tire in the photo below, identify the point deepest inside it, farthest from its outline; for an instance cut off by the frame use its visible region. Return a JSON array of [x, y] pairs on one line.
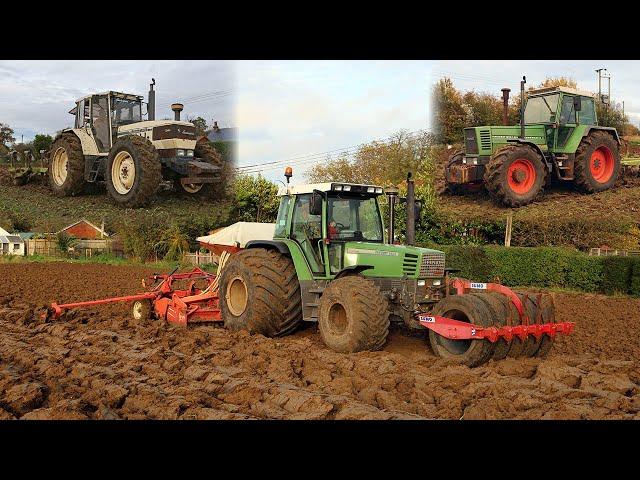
[[454, 159], [498, 304], [515, 175], [531, 344], [260, 292], [67, 144], [548, 312], [147, 173], [353, 315], [207, 153], [468, 308], [597, 163]]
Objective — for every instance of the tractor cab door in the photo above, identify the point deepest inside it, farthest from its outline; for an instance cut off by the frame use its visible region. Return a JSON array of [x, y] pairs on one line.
[[306, 230], [101, 125], [567, 122]]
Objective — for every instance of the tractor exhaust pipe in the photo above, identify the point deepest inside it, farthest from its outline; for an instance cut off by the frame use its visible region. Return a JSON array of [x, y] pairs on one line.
[[151, 106], [177, 108], [505, 106], [522, 82], [392, 193], [411, 211]]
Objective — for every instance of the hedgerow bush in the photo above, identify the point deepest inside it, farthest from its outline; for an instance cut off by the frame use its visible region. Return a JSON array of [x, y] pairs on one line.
[[545, 267]]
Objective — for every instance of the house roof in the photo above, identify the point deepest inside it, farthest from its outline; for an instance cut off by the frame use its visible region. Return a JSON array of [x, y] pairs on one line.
[[223, 134], [98, 229], [26, 235], [10, 239], [3, 231]]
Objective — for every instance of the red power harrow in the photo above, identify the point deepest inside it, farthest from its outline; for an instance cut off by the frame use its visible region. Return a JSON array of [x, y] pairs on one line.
[[188, 305], [524, 327]]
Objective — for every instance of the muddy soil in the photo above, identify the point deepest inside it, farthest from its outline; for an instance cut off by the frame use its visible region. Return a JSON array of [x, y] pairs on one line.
[[99, 364]]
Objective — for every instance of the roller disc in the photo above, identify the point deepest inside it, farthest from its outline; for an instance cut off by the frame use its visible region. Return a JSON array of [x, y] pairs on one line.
[[498, 305], [548, 309]]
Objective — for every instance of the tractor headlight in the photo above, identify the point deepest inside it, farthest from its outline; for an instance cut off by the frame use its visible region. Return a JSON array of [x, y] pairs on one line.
[[378, 190], [422, 283], [181, 152], [338, 188], [347, 188], [437, 283], [475, 161], [464, 161], [189, 153], [371, 189]]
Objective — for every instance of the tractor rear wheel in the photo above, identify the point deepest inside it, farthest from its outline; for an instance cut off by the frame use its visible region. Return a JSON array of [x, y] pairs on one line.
[[597, 163], [515, 175], [260, 292], [133, 171], [466, 308], [454, 159], [353, 315], [208, 154], [66, 166]]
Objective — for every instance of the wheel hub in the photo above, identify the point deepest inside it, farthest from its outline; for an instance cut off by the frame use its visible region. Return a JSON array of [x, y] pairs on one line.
[[602, 164], [237, 296], [521, 176], [123, 172], [59, 166]]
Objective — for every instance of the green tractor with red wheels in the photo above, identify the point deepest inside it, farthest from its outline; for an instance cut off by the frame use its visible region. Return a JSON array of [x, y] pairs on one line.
[[558, 139]]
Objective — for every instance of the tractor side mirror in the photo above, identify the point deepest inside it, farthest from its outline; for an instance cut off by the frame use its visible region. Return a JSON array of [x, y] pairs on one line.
[[315, 205], [577, 104]]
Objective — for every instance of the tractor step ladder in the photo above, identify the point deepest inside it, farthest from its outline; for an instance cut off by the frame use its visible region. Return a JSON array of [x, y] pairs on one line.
[[95, 168]]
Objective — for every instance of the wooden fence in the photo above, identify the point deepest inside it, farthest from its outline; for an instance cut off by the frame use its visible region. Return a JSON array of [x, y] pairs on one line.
[[82, 249], [198, 258]]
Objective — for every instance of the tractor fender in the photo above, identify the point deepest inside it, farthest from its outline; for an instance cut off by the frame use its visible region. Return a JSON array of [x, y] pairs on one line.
[[536, 148], [611, 130], [352, 270], [269, 245]]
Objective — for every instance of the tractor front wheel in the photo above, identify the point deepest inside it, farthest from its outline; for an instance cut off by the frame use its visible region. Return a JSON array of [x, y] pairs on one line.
[[353, 315], [597, 163], [515, 175], [66, 166], [207, 153], [260, 292], [133, 172]]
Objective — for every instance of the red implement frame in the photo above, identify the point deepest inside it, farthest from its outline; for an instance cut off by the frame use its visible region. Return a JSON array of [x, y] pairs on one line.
[[457, 330], [175, 306]]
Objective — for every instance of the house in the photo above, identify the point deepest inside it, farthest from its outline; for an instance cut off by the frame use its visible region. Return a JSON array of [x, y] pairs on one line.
[[10, 244], [84, 230]]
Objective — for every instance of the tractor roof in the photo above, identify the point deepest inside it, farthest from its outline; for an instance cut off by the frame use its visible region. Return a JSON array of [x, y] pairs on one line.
[[572, 91], [127, 96], [330, 187]]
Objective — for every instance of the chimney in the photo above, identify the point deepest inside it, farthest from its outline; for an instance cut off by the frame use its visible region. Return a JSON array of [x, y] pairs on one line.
[[151, 106], [177, 108]]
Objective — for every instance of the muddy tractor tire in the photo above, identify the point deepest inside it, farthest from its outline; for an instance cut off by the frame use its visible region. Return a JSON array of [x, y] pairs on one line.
[[208, 154], [133, 172], [466, 308], [597, 163], [454, 159], [66, 166], [260, 293], [515, 175], [353, 315]]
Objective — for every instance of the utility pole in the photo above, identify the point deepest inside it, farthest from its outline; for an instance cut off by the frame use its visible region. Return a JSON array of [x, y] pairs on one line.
[[599, 72]]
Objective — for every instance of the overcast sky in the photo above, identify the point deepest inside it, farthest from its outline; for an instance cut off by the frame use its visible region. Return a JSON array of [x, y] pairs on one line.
[[492, 75], [36, 96], [289, 109]]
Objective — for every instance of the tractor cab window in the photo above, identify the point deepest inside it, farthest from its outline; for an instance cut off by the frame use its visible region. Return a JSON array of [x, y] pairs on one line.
[[283, 215], [541, 109], [354, 218], [100, 122], [306, 229], [587, 113], [124, 111], [82, 113], [567, 114]]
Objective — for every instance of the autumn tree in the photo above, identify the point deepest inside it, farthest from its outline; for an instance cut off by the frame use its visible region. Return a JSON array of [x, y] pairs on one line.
[[448, 113], [557, 82], [41, 142], [6, 134], [200, 124]]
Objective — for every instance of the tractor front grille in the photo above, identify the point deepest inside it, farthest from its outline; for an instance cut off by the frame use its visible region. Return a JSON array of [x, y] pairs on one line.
[[410, 263], [485, 139], [470, 141], [432, 265]]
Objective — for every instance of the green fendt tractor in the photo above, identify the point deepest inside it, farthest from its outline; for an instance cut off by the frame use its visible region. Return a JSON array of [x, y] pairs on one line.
[[558, 138], [328, 262]]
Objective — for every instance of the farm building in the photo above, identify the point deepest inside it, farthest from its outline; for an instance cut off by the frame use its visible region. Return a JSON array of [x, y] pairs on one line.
[[10, 244], [84, 230]]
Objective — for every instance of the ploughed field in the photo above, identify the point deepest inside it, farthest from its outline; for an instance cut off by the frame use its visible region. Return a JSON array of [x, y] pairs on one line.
[[99, 364]]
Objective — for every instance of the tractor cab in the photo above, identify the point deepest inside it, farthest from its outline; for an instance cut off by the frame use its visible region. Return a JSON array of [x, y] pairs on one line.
[[323, 218], [101, 114]]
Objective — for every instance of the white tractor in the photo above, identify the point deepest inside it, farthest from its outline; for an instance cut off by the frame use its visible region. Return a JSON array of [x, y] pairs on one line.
[[111, 142]]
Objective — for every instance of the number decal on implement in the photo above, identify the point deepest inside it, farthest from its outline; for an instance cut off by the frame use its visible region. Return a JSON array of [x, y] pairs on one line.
[[428, 319], [479, 286]]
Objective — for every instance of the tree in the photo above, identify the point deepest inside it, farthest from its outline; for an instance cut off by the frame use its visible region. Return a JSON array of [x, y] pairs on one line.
[[65, 241], [482, 109], [557, 82], [448, 113], [41, 142], [200, 124], [380, 163], [174, 242], [611, 115], [6, 134], [255, 199]]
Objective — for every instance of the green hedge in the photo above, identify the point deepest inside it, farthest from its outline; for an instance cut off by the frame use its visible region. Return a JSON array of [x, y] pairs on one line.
[[545, 267]]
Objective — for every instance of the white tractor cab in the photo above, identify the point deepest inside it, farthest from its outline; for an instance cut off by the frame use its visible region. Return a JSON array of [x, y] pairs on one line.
[[111, 142]]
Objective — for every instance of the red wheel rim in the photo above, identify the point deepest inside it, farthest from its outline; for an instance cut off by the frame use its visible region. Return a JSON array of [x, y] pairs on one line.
[[601, 164], [521, 176]]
